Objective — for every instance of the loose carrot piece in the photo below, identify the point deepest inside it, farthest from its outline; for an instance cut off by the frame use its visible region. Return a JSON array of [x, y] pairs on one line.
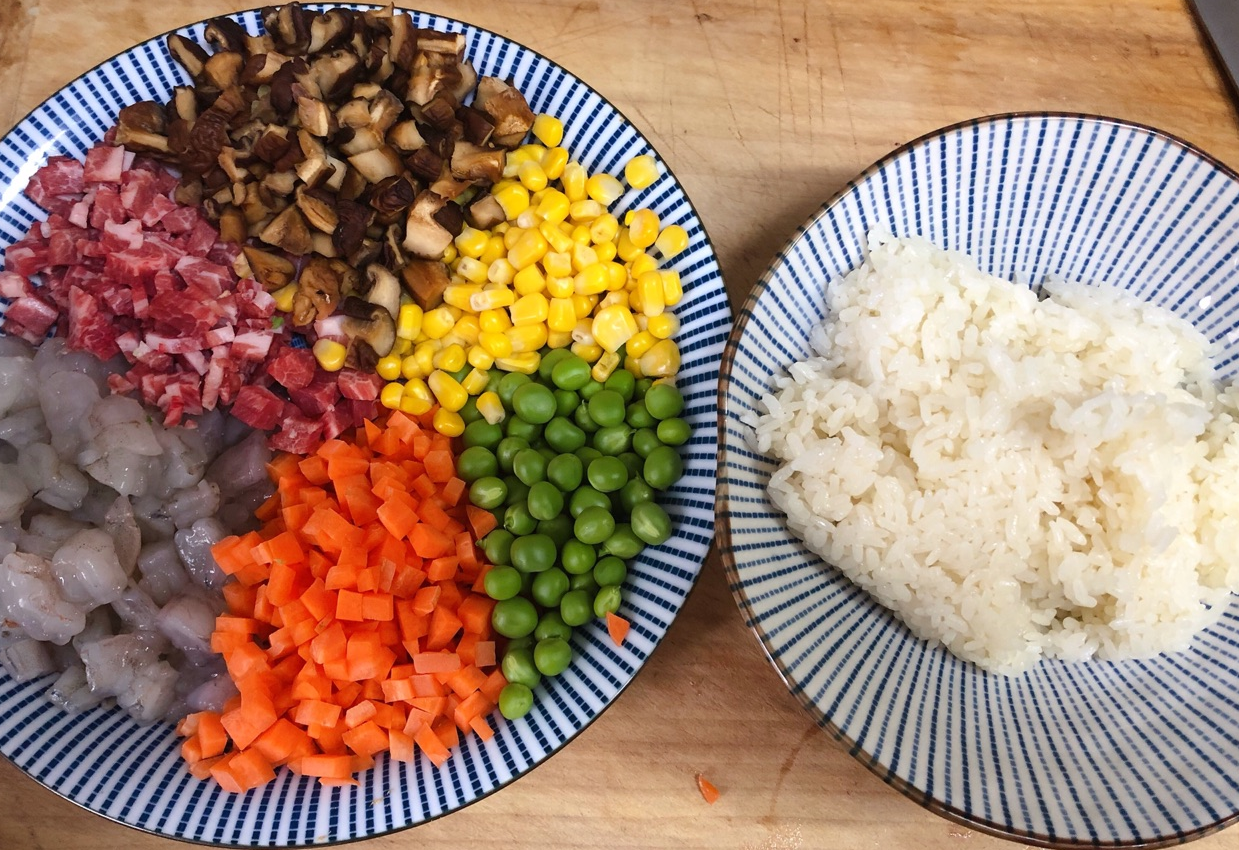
[[436, 662], [709, 793], [617, 628]]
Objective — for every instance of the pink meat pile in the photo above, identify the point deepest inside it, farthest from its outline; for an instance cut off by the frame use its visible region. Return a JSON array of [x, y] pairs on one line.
[[127, 270]]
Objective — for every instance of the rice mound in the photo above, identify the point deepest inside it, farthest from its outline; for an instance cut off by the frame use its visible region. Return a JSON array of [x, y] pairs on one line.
[[1018, 478]]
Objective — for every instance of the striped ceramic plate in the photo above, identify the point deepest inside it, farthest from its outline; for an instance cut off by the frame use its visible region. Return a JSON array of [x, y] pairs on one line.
[[133, 774], [1139, 753]]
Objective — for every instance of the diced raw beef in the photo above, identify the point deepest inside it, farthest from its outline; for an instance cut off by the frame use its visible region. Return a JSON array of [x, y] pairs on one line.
[[201, 239], [336, 420], [363, 410], [127, 236], [26, 257], [158, 208], [119, 300], [212, 278], [298, 434], [358, 385], [219, 336], [137, 267], [89, 329], [107, 207], [174, 345], [62, 175], [258, 407], [104, 164], [137, 192], [178, 311], [292, 368], [32, 313], [318, 396], [252, 345], [253, 301], [13, 285], [181, 220]]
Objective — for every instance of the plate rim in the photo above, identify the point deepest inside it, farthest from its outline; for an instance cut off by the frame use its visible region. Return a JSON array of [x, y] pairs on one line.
[[712, 543], [723, 537]]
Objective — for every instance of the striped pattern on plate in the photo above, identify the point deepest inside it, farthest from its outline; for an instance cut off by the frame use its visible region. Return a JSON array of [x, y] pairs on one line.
[[1143, 752], [132, 774]]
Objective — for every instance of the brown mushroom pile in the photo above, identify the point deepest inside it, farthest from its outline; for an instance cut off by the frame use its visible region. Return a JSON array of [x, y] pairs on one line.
[[331, 143]]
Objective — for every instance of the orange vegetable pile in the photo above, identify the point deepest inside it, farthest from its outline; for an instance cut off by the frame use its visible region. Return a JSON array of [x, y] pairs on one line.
[[357, 622]]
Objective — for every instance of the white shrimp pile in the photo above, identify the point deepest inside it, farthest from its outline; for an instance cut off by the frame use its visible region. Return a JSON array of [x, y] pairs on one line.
[[107, 519]]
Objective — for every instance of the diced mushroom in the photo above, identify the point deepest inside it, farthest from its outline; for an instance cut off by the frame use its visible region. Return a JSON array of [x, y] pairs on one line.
[[471, 162], [484, 212], [444, 43], [425, 281], [320, 287], [507, 108], [191, 57], [335, 72], [377, 165], [280, 182], [330, 29], [226, 34], [354, 219], [232, 226], [364, 139], [142, 127], [288, 231], [223, 70], [371, 324], [184, 103], [261, 68], [318, 209], [271, 270], [355, 113], [424, 236], [385, 109], [272, 143], [477, 125], [316, 117], [425, 163], [393, 195], [289, 27], [405, 137], [384, 288]]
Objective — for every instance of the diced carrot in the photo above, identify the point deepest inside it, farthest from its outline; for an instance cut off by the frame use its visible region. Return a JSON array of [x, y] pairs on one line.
[[378, 606], [430, 542], [493, 685], [327, 766], [482, 521], [398, 690], [617, 628], [453, 490], [431, 745], [484, 653], [481, 728], [466, 681], [250, 720], [367, 739], [475, 612], [400, 745], [436, 662], [444, 626], [350, 605], [709, 792], [443, 569]]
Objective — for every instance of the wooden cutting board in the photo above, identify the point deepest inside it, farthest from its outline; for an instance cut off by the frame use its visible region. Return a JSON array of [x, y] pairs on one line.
[[763, 110]]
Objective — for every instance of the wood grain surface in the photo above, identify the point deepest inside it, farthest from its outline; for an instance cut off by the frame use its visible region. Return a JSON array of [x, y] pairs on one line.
[[763, 109]]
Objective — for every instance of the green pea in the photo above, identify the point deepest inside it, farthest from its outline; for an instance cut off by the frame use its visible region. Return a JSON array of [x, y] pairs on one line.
[[607, 601], [633, 463], [517, 427], [545, 500], [566, 402], [606, 407], [518, 491], [613, 439], [663, 468], [566, 472], [594, 525], [514, 617], [587, 497], [609, 570], [547, 452], [570, 373], [644, 441], [525, 642], [584, 582], [476, 462], [534, 403], [508, 385], [607, 474], [482, 433], [548, 588], [674, 431], [552, 655], [664, 401], [639, 417], [533, 553], [515, 700], [635, 492], [642, 386], [488, 492], [507, 450], [563, 436], [502, 583], [583, 420], [498, 546], [549, 360], [529, 466], [622, 543], [590, 390], [577, 557], [623, 382], [576, 607], [557, 528], [518, 666], [518, 520], [651, 523], [469, 412], [587, 454]]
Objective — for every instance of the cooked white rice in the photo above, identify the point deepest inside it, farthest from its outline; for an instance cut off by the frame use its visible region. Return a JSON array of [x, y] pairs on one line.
[[1017, 478]]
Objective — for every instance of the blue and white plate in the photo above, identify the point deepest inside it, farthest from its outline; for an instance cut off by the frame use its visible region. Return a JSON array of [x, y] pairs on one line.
[[1102, 754], [107, 763]]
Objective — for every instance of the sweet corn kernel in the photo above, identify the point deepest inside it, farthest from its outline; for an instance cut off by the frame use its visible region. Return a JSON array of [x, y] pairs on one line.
[[466, 329], [586, 210], [529, 280], [618, 273], [673, 288], [529, 309], [573, 181], [495, 344], [450, 358], [548, 130], [417, 397], [617, 298], [450, 394], [561, 315], [532, 176], [587, 352], [409, 323], [459, 295], [501, 272], [513, 199], [591, 280], [402, 347], [664, 326], [391, 394], [479, 357], [494, 321], [580, 235], [557, 263], [643, 321], [643, 229], [510, 237], [624, 248], [583, 256], [604, 229], [605, 251], [604, 189], [613, 326], [584, 305], [532, 151], [671, 241], [330, 354], [662, 360], [526, 363], [634, 300], [554, 206], [529, 218], [558, 240], [553, 162], [639, 343], [492, 299], [641, 171], [474, 271], [388, 367], [450, 254], [650, 287], [437, 323], [640, 264], [475, 381], [470, 242], [410, 368], [495, 249], [561, 287], [605, 366], [527, 337], [491, 407], [633, 364], [284, 297], [424, 354], [448, 422], [529, 248], [559, 339]]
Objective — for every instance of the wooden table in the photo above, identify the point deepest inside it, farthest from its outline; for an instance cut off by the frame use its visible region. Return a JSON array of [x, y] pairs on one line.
[[763, 110]]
